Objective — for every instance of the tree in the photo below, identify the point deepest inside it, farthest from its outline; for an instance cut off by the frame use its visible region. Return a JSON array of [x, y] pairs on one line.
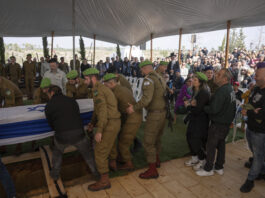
[[118, 51], [82, 48], [45, 46], [2, 51], [222, 47], [232, 41], [240, 41]]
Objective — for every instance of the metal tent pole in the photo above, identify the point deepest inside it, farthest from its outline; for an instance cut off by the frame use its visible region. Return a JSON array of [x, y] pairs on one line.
[[94, 50], [130, 54], [52, 44]]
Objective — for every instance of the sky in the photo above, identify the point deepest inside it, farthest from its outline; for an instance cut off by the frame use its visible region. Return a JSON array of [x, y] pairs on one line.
[[207, 39]]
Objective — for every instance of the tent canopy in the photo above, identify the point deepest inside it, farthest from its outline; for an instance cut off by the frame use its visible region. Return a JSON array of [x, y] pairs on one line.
[[126, 22]]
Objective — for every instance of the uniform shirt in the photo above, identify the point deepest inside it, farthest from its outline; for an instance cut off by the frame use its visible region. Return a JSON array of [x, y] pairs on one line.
[[154, 89], [77, 66], [124, 82], [13, 71], [77, 91], [45, 66], [40, 97], [64, 67], [9, 92], [105, 106], [57, 78], [29, 69]]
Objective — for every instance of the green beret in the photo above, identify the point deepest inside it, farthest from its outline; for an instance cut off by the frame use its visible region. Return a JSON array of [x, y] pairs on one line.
[[29, 55], [45, 83], [201, 76], [163, 63], [145, 63], [109, 76], [90, 71], [72, 75]]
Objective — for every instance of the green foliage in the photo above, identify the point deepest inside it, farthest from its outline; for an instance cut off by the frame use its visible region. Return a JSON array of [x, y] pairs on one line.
[[240, 42], [45, 46], [82, 48], [118, 51], [2, 51], [222, 47]]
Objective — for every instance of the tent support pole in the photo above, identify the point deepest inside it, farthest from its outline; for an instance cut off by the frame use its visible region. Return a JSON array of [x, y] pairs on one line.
[[73, 29], [227, 43], [179, 52], [94, 50], [151, 48], [130, 54], [52, 44]]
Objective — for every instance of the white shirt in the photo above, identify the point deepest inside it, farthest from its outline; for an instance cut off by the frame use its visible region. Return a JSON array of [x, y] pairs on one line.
[[45, 66], [184, 72], [58, 78]]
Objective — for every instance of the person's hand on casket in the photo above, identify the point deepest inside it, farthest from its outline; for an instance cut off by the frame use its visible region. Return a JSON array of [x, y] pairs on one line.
[[90, 127]]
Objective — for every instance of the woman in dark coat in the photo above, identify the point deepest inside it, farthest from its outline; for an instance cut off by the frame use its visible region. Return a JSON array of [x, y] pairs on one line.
[[198, 121]]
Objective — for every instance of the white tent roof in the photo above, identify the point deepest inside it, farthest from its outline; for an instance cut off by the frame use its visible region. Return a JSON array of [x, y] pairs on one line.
[[126, 21]]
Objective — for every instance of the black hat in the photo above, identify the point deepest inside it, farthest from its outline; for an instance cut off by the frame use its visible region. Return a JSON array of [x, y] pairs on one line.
[[208, 68], [172, 54]]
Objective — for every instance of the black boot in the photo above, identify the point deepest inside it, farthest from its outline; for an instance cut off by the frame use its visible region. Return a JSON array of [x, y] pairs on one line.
[[247, 186]]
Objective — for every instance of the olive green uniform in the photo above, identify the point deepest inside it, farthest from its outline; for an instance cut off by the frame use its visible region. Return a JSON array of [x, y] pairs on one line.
[[106, 118], [64, 67], [13, 72], [40, 97], [2, 70], [10, 93], [154, 88], [124, 82], [77, 91], [29, 71], [129, 126], [77, 66], [212, 85]]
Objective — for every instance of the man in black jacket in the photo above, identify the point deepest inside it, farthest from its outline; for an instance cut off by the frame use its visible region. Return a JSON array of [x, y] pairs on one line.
[[256, 129], [221, 111], [63, 116], [173, 64]]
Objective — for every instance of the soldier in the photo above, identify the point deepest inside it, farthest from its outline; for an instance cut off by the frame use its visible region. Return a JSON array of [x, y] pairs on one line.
[[10, 93], [77, 65], [130, 123], [63, 66], [161, 69], [29, 72], [210, 75], [153, 100], [76, 87], [13, 71], [40, 94], [2, 70], [106, 119]]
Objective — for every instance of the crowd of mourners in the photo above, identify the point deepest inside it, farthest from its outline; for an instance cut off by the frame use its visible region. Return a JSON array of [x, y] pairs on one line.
[[203, 88]]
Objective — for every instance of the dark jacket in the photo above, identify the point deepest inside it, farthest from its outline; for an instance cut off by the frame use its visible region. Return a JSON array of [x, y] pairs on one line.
[[108, 66], [63, 116], [222, 105], [256, 122], [175, 67], [198, 118]]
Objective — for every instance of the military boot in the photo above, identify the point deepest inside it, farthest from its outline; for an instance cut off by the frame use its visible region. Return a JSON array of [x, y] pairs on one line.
[[113, 165], [102, 184], [158, 162], [151, 173], [128, 166]]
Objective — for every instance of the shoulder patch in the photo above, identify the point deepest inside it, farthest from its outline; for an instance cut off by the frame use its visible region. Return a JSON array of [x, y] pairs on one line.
[[8, 92], [146, 83], [97, 101]]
